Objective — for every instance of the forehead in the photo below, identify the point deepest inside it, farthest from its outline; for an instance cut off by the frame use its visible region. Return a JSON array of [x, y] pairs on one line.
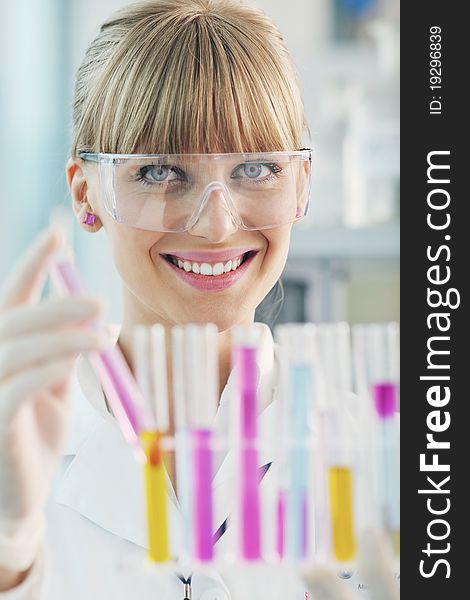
[[175, 104]]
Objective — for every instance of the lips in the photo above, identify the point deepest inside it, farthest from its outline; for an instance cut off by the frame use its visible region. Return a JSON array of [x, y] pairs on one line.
[[213, 271]]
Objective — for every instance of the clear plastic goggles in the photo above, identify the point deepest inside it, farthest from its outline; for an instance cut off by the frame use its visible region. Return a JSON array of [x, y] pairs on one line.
[[170, 192]]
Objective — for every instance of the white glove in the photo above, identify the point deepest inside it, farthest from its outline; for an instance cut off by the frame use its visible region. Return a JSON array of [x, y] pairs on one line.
[[375, 566], [39, 343]]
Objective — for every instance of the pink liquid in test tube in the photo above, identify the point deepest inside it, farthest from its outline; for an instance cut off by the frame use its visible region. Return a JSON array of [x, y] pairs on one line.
[[203, 517], [385, 399], [281, 524], [199, 374], [249, 478], [110, 365]]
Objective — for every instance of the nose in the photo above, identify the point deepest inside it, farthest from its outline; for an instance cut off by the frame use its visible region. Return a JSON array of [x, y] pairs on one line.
[[215, 222]]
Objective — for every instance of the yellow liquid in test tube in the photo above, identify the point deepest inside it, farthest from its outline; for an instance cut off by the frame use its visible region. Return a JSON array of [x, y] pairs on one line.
[[340, 484], [155, 491]]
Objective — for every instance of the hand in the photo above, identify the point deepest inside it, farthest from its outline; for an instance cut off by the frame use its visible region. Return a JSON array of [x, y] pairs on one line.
[[39, 343], [375, 567]]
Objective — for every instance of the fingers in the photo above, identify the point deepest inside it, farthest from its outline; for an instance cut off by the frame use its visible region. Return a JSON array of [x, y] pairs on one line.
[[25, 351], [34, 381], [376, 566], [325, 585], [27, 278], [50, 314]]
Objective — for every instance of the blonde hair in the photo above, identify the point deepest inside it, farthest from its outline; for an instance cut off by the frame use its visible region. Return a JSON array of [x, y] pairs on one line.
[[175, 76]]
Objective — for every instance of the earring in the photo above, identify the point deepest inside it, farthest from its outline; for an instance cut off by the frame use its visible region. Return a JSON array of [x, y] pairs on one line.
[[89, 219]]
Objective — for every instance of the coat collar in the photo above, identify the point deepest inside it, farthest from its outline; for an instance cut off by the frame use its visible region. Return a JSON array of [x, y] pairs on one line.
[[104, 483]]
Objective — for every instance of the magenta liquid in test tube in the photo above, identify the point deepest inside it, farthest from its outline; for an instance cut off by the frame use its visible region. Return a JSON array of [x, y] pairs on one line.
[[109, 365], [281, 524], [201, 385], [385, 399], [377, 358], [203, 505], [244, 357]]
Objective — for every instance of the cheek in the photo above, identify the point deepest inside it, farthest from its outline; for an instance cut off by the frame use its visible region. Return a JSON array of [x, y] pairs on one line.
[[274, 260], [278, 248], [131, 250]]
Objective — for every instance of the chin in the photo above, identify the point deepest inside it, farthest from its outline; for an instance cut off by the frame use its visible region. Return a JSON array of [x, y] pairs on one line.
[[225, 318]]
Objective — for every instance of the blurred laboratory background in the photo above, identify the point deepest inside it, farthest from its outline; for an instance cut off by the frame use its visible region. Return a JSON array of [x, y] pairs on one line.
[[344, 258]]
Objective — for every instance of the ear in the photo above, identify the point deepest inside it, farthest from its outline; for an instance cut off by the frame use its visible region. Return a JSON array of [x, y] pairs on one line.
[[79, 190]]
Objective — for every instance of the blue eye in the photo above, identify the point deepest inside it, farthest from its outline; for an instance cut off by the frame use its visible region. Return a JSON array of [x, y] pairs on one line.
[[161, 175], [157, 173], [256, 171], [253, 170]]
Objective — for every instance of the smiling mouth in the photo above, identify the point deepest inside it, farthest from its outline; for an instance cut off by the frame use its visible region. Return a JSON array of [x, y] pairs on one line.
[[208, 269]]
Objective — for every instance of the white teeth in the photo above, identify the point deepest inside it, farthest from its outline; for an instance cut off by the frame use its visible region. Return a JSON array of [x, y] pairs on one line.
[[206, 268], [235, 264], [218, 269]]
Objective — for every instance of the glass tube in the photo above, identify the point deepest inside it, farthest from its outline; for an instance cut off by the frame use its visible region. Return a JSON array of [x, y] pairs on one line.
[[150, 366], [199, 374], [244, 362], [376, 351], [341, 502], [338, 438], [298, 395]]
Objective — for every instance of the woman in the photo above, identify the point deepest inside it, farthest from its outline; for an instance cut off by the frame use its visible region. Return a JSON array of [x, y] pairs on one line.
[[174, 77]]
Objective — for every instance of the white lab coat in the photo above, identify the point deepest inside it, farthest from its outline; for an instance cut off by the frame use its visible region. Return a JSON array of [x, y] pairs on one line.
[[96, 543]]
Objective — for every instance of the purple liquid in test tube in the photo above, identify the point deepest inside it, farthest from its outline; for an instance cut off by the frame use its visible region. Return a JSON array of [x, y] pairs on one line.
[[110, 365], [199, 380], [385, 399], [281, 524], [203, 517], [249, 478]]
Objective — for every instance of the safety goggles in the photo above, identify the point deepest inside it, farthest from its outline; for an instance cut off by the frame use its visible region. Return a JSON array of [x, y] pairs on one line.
[[170, 192]]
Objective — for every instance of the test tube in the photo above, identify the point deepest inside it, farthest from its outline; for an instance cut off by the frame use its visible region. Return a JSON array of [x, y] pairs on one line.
[[182, 442], [150, 362], [244, 362], [199, 374], [297, 399], [335, 362], [341, 502], [376, 350], [110, 366]]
